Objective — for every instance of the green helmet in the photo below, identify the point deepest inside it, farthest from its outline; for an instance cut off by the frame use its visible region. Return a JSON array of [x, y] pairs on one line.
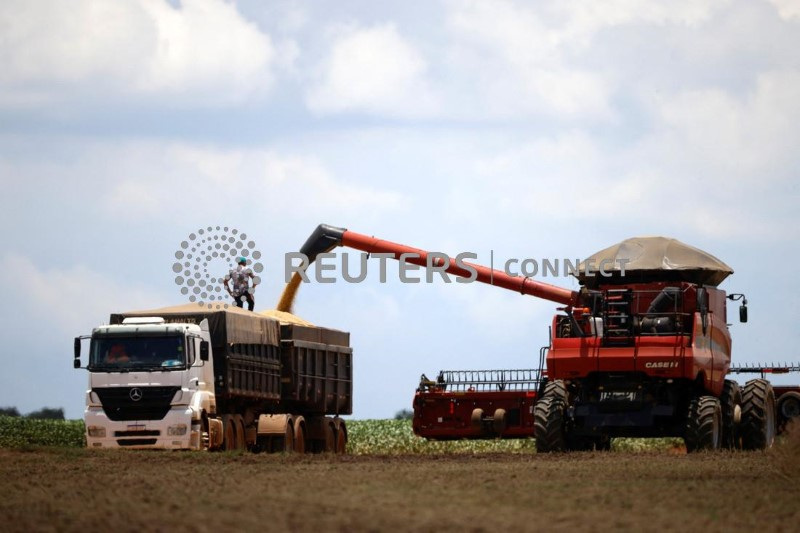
[[241, 260]]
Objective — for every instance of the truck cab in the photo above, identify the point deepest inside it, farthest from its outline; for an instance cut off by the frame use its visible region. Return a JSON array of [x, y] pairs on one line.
[[149, 384]]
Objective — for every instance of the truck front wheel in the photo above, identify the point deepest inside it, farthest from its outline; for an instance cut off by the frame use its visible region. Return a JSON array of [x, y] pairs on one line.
[[703, 424]]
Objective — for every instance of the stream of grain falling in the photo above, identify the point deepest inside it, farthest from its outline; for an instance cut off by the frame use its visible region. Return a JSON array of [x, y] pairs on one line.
[[286, 303]]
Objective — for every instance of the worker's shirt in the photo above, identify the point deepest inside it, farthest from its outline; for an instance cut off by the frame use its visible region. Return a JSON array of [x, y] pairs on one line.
[[241, 279]]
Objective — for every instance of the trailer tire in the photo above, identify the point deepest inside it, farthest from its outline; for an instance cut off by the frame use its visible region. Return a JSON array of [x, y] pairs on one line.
[[548, 425], [238, 424], [731, 403], [341, 440], [329, 444], [477, 418], [703, 424], [758, 415], [299, 439], [286, 442], [499, 421], [229, 433], [789, 407]]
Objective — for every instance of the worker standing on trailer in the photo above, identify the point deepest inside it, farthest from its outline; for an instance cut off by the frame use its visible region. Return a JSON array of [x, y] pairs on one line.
[[241, 275]]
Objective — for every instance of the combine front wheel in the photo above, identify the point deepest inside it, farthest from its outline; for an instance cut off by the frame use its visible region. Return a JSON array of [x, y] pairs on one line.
[[758, 415], [548, 428], [704, 424], [731, 403]]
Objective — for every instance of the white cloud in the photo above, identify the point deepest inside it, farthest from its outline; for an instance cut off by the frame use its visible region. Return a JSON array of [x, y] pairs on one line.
[[751, 137], [202, 52], [207, 177], [787, 9], [372, 70], [73, 299]]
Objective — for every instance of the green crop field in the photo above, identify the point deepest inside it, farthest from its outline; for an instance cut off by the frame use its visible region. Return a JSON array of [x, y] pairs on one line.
[[366, 437]]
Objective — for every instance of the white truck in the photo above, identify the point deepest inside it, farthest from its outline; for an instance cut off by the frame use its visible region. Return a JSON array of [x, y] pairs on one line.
[[187, 377]]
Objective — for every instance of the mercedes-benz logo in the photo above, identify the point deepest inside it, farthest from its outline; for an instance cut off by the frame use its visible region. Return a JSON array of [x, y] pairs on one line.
[[136, 394]]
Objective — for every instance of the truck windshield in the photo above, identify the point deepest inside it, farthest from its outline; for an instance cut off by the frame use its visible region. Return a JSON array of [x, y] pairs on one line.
[[126, 354]]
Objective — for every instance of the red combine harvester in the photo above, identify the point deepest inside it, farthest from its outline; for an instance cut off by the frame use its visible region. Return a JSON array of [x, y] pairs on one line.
[[642, 351]]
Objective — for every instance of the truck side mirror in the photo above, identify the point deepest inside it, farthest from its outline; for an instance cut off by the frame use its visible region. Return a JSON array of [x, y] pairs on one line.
[[76, 363], [204, 350], [743, 312]]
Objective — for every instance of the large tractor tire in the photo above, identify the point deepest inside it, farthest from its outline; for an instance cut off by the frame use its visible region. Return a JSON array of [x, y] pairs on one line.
[[731, 403], [703, 424], [548, 425], [789, 407], [758, 415], [557, 389]]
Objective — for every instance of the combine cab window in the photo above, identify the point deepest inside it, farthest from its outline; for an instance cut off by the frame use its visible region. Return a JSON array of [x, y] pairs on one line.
[[132, 354]]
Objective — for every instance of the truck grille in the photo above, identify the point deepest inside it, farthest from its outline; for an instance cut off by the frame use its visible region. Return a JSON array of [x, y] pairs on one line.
[[153, 402]]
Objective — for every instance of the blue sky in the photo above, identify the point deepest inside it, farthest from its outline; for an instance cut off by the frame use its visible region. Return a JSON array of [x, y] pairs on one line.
[[531, 129]]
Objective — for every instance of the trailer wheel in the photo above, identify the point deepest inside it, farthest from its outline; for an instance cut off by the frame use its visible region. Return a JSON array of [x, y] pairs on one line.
[[238, 424], [286, 443], [789, 407], [229, 433], [299, 439], [758, 415], [341, 439], [731, 402], [477, 418], [499, 421], [330, 439], [548, 426], [704, 424]]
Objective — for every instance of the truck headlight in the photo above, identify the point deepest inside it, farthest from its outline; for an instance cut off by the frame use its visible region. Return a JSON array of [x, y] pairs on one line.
[[177, 431], [98, 432]]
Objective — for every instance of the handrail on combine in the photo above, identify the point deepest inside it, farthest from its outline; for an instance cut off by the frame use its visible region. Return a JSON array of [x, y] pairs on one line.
[[483, 380], [763, 369]]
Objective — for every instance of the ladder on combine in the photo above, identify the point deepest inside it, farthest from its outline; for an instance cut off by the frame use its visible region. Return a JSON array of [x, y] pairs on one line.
[[618, 322]]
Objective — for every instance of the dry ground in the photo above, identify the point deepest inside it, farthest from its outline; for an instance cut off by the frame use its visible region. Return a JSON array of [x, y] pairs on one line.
[[76, 489]]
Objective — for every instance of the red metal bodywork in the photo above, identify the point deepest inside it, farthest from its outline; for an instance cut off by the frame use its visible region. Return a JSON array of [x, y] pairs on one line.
[[692, 352], [443, 415], [523, 285]]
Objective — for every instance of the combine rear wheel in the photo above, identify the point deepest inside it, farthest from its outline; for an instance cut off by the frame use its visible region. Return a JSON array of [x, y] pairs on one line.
[[548, 425], [731, 403], [704, 424], [758, 415], [789, 407]]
